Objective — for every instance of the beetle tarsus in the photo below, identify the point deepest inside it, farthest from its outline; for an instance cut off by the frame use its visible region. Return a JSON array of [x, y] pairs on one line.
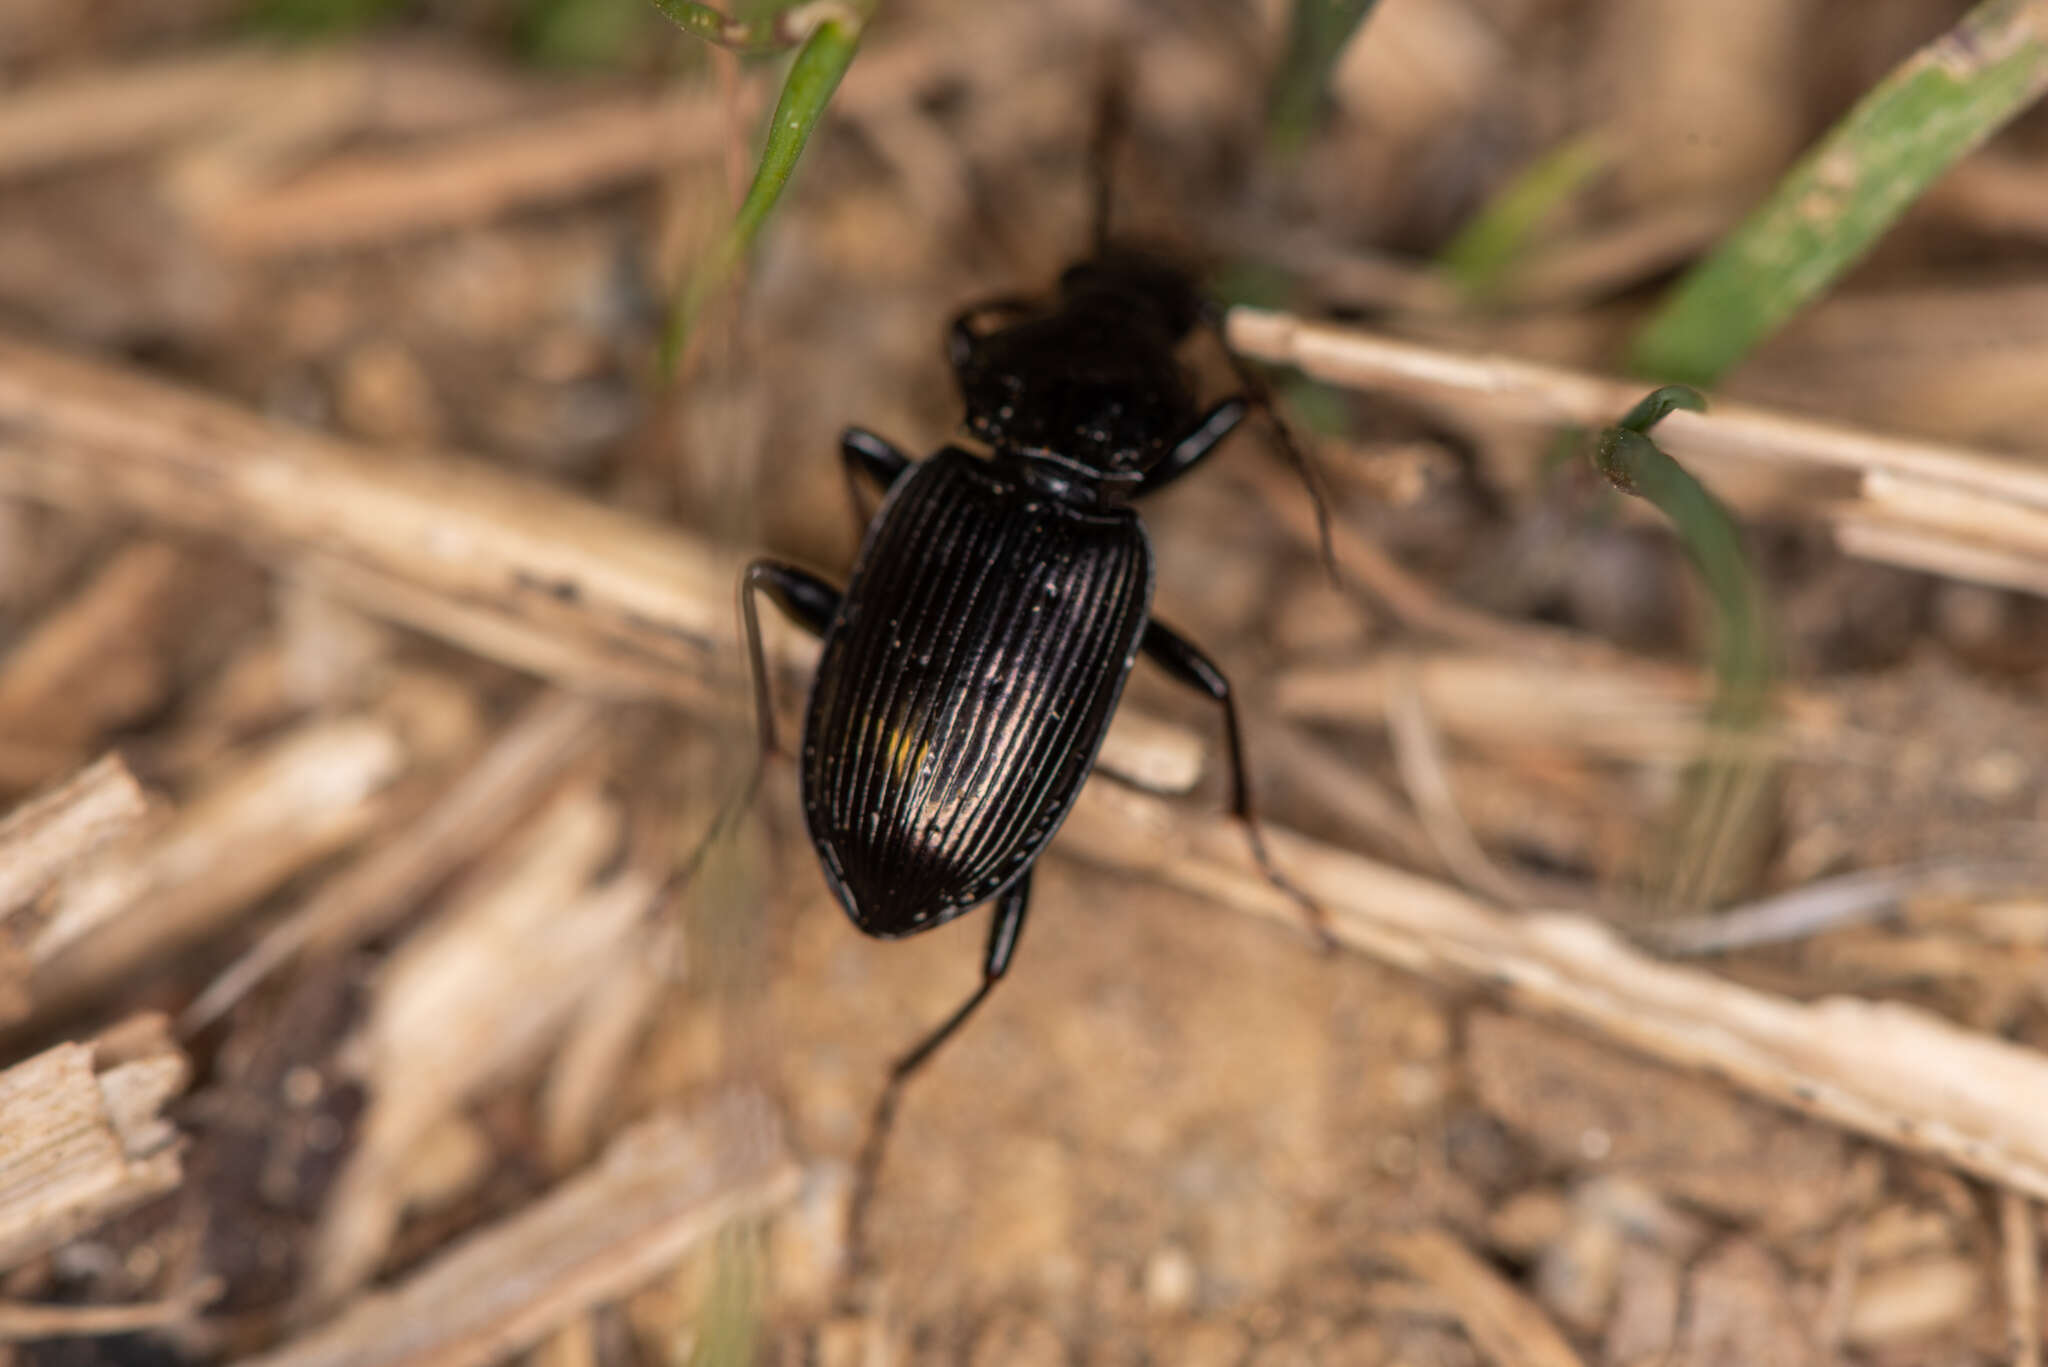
[[1315, 916], [1006, 925], [1184, 661]]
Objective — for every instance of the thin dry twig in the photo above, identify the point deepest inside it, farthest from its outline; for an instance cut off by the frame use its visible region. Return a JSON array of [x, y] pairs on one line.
[[467, 176], [1418, 754], [1619, 707], [1414, 600], [472, 174], [47, 833], [1554, 396], [103, 112], [1505, 1325], [1845, 1269], [1830, 904], [453, 548], [1887, 540], [661, 1188], [21, 1322], [1348, 793], [597, 1045], [126, 108], [2020, 1262]]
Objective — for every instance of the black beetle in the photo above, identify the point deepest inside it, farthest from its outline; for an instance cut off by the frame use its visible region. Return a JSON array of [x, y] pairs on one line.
[[971, 666]]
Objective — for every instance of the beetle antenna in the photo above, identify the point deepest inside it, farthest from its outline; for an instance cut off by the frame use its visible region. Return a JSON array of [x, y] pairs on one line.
[[1260, 395], [1112, 124]]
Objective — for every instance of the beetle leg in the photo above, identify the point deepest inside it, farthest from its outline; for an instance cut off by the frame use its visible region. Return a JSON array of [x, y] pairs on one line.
[[805, 599], [1192, 449], [1180, 658], [861, 452], [808, 601], [1003, 930]]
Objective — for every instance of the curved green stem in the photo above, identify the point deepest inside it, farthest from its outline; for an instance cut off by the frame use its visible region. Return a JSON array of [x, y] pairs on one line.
[[1724, 794]]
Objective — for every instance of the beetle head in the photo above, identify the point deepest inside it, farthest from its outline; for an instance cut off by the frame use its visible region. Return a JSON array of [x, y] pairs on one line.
[[1092, 381]]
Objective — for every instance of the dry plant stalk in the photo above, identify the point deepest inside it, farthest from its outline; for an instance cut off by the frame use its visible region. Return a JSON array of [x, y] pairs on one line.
[[469, 177], [1894, 1073], [249, 109], [1627, 710], [611, 599], [597, 1046], [363, 899], [100, 113], [537, 156], [478, 995], [1989, 523], [81, 1137], [453, 548], [661, 1188], [299, 799], [513, 569], [52, 830], [1419, 757]]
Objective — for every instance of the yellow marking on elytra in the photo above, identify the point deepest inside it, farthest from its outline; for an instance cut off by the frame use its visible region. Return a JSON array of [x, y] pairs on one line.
[[905, 752]]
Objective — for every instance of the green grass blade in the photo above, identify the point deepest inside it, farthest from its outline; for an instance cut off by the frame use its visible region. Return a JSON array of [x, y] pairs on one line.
[[1834, 205], [1480, 258], [813, 76], [1316, 34], [1722, 808]]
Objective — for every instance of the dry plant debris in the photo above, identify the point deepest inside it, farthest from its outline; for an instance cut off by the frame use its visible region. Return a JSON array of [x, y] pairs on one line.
[[43, 837], [340, 516], [85, 1138], [662, 1186]]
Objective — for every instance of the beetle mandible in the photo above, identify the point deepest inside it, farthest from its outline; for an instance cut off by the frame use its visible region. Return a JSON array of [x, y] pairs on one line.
[[996, 606]]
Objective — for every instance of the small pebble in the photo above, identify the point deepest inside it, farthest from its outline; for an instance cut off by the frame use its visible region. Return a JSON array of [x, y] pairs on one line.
[[1170, 1280]]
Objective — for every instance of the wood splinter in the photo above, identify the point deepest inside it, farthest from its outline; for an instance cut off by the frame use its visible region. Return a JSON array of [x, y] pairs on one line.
[[82, 1137]]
